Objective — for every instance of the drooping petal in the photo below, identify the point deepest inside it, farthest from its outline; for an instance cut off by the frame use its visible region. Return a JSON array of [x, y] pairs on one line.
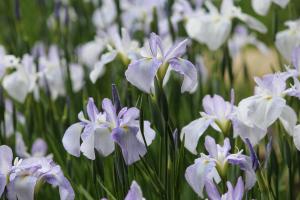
[[6, 157], [189, 72], [131, 147], [197, 173], [17, 85], [141, 73], [296, 137], [208, 30], [104, 143], [253, 23], [87, 146], [39, 148], [149, 134], [286, 41], [260, 111], [2, 183], [192, 133], [23, 188], [135, 192], [71, 139], [261, 6], [99, 67], [288, 118], [281, 3]]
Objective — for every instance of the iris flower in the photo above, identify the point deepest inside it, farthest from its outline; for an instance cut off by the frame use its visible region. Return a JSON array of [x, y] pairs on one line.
[[103, 129], [214, 166], [156, 61], [21, 178]]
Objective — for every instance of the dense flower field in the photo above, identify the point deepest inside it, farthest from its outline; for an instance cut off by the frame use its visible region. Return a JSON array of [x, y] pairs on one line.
[[156, 99]]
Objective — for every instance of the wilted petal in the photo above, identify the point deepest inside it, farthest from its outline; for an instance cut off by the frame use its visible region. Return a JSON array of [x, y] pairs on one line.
[[141, 73], [288, 118], [261, 6], [189, 72], [71, 139], [104, 143], [192, 133], [135, 192], [131, 147]]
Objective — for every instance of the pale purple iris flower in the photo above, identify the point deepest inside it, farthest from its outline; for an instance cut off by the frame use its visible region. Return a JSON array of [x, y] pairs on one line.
[[214, 166], [258, 112], [217, 114], [233, 193], [103, 129], [20, 179], [156, 61], [38, 149]]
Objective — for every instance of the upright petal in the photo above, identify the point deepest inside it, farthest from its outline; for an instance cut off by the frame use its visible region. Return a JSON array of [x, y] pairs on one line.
[[135, 192], [211, 146], [177, 50], [71, 139], [131, 147], [91, 109], [39, 148], [238, 191], [141, 73], [192, 133], [21, 149], [211, 190], [110, 110], [104, 143], [189, 72]]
